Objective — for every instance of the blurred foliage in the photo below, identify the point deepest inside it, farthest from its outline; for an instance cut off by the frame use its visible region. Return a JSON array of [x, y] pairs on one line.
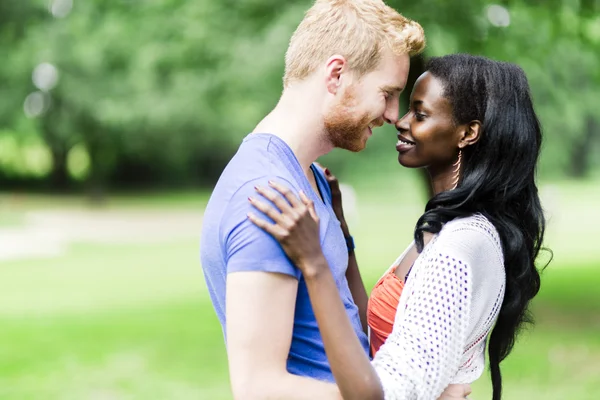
[[161, 92]]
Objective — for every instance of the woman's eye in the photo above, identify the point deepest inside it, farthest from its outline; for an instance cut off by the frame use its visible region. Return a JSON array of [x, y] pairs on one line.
[[419, 116]]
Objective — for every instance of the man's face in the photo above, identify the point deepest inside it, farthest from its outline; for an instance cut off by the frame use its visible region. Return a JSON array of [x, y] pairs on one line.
[[367, 103]]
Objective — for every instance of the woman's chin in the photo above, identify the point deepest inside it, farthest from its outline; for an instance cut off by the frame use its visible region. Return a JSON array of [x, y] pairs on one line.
[[407, 162]]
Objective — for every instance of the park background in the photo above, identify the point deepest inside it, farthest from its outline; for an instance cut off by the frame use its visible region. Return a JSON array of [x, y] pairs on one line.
[[116, 119]]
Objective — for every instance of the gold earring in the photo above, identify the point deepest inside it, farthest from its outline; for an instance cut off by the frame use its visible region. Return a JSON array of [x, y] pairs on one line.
[[456, 171]]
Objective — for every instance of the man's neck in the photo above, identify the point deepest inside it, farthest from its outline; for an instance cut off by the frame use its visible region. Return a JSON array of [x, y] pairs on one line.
[[297, 120]]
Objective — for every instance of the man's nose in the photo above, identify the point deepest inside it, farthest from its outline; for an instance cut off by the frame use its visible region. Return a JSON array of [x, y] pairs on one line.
[[391, 114]]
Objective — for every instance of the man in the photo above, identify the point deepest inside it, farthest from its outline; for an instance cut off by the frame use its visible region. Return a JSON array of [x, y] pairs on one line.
[[345, 68]]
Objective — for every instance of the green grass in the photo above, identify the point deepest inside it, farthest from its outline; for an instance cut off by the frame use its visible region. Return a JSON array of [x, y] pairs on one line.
[[123, 321], [153, 200], [11, 219], [550, 362], [172, 350], [92, 278], [558, 357], [135, 321]]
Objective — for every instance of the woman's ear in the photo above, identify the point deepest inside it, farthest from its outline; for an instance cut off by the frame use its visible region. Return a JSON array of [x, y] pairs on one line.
[[470, 134]]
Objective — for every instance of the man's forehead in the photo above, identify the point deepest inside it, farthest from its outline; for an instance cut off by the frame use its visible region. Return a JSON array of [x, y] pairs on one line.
[[395, 68]]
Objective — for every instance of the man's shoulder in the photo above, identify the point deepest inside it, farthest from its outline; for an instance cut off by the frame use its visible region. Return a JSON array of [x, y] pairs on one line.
[[229, 198], [253, 161], [253, 164], [250, 168]]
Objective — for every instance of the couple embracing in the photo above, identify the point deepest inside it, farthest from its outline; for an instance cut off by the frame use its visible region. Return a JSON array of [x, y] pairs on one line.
[[277, 253]]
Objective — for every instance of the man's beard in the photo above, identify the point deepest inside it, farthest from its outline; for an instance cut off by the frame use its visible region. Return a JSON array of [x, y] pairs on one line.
[[345, 129]]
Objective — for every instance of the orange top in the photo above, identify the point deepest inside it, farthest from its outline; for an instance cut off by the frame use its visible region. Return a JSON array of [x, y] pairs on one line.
[[381, 309]]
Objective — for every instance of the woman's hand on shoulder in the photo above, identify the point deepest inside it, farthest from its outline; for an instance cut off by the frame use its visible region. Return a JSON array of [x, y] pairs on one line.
[[296, 225]]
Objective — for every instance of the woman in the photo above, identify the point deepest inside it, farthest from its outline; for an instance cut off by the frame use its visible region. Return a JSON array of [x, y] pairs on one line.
[[472, 125]]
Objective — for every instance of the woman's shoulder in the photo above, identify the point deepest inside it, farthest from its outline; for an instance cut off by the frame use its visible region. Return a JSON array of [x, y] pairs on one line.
[[474, 223], [474, 236]]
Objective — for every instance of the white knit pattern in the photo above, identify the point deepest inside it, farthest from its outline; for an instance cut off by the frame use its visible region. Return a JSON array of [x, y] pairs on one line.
[[447, 308]]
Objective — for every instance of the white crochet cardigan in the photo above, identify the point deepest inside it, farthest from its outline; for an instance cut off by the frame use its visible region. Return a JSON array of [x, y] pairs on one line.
[[447, 308]]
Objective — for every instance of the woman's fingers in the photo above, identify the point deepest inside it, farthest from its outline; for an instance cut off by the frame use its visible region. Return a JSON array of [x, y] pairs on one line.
[[272, 229], [287, 193], [455, 392], [267, 210], [467, 389], [279, 201], [310, 205], [333, 182], [289, 214], [328, 175], [292, 209], [261, 223]]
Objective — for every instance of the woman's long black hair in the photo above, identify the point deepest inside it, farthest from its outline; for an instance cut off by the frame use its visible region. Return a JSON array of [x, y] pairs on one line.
[[497, 180]]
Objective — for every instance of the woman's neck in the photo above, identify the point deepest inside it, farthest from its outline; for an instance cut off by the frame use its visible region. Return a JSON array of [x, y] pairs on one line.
[[442, 180]]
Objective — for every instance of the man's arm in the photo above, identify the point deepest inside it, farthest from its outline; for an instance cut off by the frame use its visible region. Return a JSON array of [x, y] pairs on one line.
[[260, 316]]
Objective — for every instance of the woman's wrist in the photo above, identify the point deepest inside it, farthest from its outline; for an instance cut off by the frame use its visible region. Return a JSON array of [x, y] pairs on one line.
[[350, 243], [313, 268], [345, 229], [347, 236]]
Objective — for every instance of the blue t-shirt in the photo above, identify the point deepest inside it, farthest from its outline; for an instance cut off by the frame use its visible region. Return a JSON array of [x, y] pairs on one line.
[[231, 243]]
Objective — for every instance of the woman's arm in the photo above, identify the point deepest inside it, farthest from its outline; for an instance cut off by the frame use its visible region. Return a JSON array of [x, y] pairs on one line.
[[357, 288], [355, 282], [403, 366], [297, 229], [354, 375]]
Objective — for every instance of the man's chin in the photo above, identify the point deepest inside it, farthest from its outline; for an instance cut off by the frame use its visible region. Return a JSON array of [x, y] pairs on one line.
[[357, 146], [351, 141]]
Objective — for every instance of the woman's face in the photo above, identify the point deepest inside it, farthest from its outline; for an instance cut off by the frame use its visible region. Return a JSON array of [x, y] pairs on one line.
[[427, 134]]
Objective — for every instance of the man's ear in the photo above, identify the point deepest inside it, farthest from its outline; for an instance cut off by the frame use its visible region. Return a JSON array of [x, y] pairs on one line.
[[471, 133], [335, 68]]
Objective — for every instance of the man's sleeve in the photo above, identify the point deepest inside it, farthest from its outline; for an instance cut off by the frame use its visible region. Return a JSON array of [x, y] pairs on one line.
[[246, 246]]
